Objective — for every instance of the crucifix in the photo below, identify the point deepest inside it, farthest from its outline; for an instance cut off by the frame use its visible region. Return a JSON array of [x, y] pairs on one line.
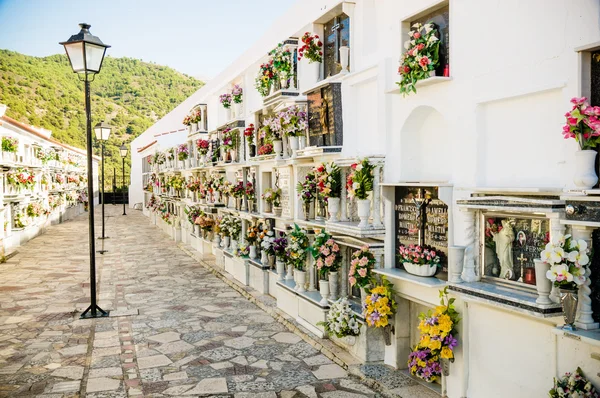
[[421, 203], [522, 260]]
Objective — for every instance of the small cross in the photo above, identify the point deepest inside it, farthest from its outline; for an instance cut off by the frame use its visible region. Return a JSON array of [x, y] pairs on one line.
[[522, 259]]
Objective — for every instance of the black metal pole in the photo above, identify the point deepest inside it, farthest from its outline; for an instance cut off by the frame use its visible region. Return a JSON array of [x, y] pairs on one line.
[[103, 236], [124, 213], [92, 310], [114, 186]]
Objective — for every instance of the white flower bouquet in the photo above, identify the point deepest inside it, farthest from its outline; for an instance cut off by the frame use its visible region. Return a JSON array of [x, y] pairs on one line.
[[567, 258]]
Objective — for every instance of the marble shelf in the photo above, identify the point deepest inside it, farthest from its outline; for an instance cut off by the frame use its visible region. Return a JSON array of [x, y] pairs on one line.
[[591, 337], [314, 297], [397, 273]]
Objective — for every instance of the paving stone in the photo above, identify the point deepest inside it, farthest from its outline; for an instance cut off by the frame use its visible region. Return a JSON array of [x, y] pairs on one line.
[[102, 384], [75, 350], [176, 346], [175, 376], [317, 360], [177, 390], [270, 394], [221, 365], [240, 342], [105, 372], [209, 386], [352, 385], [69, 372], [165, 337], [332, 371], [285, 337], [153, 362], [66, 386], [341, 394]]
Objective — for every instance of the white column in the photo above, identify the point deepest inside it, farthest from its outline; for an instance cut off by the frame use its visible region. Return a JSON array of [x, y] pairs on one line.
[[244, 229], [245, 181], [469, 274], [344, 210], [376, 198], [312, 274], [584, 318], [556, 229]]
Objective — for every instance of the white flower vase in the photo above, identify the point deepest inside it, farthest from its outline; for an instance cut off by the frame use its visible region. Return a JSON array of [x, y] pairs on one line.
[[290, 273], [312, 70], [225, 242], [364, 211], [294, 145], [189, 128], [228, 114], [233, 244], [585, 170], [542, 283], [253, 252], [345, 58], [456, 259], [300, 281], [324, 291], [238, 110], [278, 148], [217, 197], [333, 206], [280, 267], [420, 270], [264, 259], [217, 239], [301, 142], [198, 126], [333, 285]]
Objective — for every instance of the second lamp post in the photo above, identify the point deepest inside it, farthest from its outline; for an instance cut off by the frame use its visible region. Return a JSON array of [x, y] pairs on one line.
[[102, 131], [123, 150]]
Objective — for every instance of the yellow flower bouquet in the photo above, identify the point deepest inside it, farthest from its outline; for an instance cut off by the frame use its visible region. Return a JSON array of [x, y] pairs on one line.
[[380, 306]]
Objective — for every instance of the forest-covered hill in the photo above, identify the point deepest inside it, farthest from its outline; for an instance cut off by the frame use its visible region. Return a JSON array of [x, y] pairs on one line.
[[128, 93]]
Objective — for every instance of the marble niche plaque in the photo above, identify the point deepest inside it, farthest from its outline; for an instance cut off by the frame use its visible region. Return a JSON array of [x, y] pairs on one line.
[[283, 177], [325, 125], [421, 218]]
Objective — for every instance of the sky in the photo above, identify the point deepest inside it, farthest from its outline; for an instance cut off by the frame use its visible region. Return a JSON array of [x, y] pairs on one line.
[[196, 37]]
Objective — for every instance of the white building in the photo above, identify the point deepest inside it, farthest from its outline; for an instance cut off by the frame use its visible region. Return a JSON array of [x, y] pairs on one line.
[[43, 182], [485, 142]]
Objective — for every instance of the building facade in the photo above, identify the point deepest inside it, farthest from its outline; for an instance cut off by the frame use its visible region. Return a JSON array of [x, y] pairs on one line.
[[477, 147], [43, 182]]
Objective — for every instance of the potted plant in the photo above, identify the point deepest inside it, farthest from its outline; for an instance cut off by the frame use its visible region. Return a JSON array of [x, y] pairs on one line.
[[567, 259], [202, 146], [311, 50], [296, 256], [329, 185], [266, 245], [249, 134], [197, 119], [293, 122], [187, 121], [264, 79], [573, 385], [328, 258], [225, 100], [360, 274], [266, 149], [282, 64], [252, 234], [430, 358], [280, 248], [272, 128], [272, 197], [419, 260], [358, 185], [230, 141], [421, 57], [250, 196], [584, 126], [183, 152], [237, 97], [341, 321], [307, 190], [237, 191]]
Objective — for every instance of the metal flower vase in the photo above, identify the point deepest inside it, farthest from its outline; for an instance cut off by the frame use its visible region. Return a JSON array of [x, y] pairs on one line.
[[568, 300], [387, 334]]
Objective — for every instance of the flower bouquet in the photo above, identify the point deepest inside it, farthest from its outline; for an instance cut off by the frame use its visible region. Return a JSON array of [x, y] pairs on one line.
[[308, 192], [583, 124], [241, 250], [10, 144], [326, 254], [252, 234], [329, 186], [341, 321], [183, 152], [311, 49], [272, 196], [297, 247], [280, 246], [266, 149], [225, 100], [573, 385], [34, 209], [264, 78], [419, 260], [282, 63], [159, 158], [379, 307], [360, 180], [437, 341], [249, 134], [293, 121], [237, 94], [187, 121], [361, 267], [202, 146], [421, 57], [21, 178]]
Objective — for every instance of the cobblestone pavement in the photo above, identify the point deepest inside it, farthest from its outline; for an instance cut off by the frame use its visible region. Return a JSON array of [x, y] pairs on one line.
[[175, 328]]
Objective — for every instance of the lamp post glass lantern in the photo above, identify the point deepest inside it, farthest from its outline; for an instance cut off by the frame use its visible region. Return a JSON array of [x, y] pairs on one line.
[[102, 131], [86, 54], [123, 149]]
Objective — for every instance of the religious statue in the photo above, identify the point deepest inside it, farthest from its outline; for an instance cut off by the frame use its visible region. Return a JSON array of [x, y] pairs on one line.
[[504, 240]]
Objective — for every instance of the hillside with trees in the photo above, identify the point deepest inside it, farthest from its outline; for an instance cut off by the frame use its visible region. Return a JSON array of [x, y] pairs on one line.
[[129, 94]]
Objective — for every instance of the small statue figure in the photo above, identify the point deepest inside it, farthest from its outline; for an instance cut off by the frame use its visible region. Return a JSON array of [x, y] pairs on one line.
[[504, 240]]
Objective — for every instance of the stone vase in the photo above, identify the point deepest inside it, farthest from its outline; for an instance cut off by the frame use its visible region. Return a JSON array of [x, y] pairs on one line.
[[387, 334], [333, 206], [333, 285], [280, 270], [238, 203], [301, 142], [277, 210], [364, 211], [324, 291], [312, 70], [568, 300], [239, 110], [543, 285], [264, 259], [300, 280], [345, 58], [306, 207], [225, 242], [189, 128], [250, 205], [268, 207], [217, 197], [197, 230], [294, 145], [233, 155], [278, 148], [271, 260], [456, 260], [585, 173], [289, 276], [228, 114], [420, 270], [252, 254]]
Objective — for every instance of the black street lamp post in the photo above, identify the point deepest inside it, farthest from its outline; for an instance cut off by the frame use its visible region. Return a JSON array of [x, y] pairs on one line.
[[123, 149], [86, 53], [102, 131]]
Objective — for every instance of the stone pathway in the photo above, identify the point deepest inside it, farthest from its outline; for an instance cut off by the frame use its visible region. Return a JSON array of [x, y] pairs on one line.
[[175, 328]]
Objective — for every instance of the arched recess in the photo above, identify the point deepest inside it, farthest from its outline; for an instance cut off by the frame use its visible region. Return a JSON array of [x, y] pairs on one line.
[[426, 149]]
